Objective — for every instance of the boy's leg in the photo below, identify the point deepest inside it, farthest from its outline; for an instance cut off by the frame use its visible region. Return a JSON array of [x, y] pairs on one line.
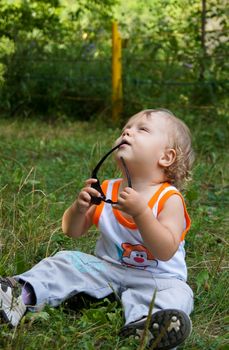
[[57, 278], [173, 304]]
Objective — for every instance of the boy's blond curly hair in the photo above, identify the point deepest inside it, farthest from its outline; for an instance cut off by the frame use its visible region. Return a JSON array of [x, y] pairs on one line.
[[179, 172]]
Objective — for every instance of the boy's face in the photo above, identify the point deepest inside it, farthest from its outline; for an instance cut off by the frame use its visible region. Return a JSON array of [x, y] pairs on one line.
[[146, 139]]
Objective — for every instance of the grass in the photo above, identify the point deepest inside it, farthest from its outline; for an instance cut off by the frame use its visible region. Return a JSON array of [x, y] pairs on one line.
[[43, 166]]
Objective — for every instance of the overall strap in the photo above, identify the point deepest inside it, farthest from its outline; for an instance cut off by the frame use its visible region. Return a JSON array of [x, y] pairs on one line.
[[99, 207], [168, 193]]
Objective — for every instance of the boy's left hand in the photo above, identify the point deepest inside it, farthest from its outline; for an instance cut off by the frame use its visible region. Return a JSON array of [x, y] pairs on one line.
[[131, 202]]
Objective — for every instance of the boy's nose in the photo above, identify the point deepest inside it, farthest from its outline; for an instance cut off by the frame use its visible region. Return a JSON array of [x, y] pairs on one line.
[[126, 132]]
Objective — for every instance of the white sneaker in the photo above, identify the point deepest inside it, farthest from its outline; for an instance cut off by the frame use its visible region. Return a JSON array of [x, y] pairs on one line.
[[12, 307]]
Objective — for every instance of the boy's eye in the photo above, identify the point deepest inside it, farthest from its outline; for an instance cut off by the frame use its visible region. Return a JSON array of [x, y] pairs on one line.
[[142, 128]]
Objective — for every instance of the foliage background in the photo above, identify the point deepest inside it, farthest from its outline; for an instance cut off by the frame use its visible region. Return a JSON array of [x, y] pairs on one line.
[[56, 56]]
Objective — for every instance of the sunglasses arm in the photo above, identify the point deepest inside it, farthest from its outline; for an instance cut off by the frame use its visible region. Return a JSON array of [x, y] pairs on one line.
[[97, 186], [96, 169]]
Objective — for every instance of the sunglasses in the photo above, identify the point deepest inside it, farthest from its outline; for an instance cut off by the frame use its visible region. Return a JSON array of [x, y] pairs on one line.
[[97, 186]]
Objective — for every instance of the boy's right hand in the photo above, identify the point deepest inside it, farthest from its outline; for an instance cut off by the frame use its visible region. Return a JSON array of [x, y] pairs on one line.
[[83, 201]]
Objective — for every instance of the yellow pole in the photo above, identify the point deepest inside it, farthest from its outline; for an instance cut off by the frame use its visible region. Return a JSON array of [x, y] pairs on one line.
[[117, 95]]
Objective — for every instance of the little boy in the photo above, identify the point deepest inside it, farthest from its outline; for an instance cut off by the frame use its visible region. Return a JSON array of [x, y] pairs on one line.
[[141, 247]]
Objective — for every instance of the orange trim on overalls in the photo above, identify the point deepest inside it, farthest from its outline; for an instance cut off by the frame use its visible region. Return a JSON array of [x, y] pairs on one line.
[[130, 223], [127, 222], [187, 218], [99, 207]]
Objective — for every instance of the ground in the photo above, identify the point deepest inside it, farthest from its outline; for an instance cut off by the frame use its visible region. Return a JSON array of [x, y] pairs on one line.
[[43, 166]]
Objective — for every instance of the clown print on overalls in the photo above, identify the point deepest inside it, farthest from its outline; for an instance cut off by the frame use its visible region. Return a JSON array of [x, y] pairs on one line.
[[137, 255]]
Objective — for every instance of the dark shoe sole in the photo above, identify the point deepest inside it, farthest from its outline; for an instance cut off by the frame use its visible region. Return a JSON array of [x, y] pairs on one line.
[[168, 328]]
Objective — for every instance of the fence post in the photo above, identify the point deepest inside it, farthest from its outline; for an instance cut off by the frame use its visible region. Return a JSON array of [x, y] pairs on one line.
[[117, 95]]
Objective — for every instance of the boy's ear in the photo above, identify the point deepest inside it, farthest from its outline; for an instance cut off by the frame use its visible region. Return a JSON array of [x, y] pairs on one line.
[[167, 158]]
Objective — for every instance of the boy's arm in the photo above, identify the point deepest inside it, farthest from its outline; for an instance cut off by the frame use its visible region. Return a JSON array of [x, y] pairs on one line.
[[77, 219], [162, 234], [75, 223]]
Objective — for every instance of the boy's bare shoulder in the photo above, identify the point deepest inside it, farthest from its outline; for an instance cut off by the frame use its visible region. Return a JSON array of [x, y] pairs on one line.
[[174, 202], [173, 207]]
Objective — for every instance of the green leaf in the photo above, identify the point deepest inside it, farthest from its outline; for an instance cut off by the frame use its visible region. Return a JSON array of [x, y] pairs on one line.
[[201, 279]]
